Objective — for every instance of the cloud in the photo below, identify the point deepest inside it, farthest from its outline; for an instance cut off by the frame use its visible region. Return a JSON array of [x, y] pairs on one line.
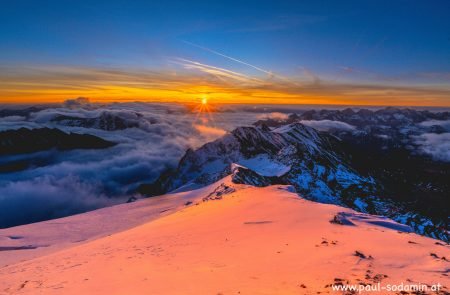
[[210, 130], [327, 125], [435, 145], [185, 80], [47, 197], [77, 102], [274, 116], [443, 123], [270, 73], [69, 182], [217, 72]]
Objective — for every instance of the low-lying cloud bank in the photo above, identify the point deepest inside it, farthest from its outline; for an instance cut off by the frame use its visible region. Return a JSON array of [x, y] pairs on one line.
[[442, 123], [75, 181], [435, 145], [274, 116], [48, 197]]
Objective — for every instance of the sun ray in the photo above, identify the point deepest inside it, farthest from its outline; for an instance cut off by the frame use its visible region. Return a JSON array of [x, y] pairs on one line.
[[203, 112]]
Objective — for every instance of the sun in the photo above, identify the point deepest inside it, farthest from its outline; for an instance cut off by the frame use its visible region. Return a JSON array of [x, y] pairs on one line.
[[203, 111]]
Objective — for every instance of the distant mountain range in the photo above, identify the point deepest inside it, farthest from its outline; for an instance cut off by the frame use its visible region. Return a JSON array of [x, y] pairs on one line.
[[105, 121], [25, 140], [369, 167], [366, 119]]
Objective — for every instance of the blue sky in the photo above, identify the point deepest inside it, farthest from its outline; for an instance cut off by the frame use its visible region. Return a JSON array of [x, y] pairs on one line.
[[388, 42]]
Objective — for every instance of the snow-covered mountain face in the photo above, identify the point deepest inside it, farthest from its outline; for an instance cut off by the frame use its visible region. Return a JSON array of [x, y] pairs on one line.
[[294, 153], [350, 167]]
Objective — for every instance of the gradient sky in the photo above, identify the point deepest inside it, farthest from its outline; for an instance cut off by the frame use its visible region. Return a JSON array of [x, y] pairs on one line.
[[339, 52]]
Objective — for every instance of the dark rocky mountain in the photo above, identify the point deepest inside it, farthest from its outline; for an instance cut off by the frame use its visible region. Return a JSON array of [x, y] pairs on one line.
[[244, 175], [364, 118], [383, 144], [25, 140], [355, 168]]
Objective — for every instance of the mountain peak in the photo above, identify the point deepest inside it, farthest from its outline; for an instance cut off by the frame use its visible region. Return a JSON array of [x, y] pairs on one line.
[[319, 165]]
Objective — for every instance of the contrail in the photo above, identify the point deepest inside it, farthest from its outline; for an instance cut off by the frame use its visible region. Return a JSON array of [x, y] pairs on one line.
[[216, 70], [229, 57], [270, 73]]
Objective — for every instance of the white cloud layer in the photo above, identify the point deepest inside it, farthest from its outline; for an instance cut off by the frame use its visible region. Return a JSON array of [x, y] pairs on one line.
[[76, 181], [443, 123], [435, 145], [274, 116]]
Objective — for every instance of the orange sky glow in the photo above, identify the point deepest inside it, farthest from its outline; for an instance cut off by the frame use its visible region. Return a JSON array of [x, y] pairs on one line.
[[56, 84]]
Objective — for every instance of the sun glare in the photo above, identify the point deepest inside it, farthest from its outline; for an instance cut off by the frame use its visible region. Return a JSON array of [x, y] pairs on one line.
[[203, 111]]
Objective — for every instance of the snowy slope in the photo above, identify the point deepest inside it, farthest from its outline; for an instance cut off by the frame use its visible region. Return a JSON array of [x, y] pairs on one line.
[[37, 239], [238, 240]]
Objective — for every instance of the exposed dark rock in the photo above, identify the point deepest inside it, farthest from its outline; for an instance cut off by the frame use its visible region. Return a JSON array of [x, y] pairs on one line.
[[25, 140], [242, 175]]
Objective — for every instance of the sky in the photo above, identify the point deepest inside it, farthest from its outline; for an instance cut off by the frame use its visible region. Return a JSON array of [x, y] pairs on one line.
[[289, 52]]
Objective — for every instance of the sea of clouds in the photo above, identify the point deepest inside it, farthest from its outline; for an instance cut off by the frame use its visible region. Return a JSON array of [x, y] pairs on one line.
[[76, 181], [434, 144], [70, 182]]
